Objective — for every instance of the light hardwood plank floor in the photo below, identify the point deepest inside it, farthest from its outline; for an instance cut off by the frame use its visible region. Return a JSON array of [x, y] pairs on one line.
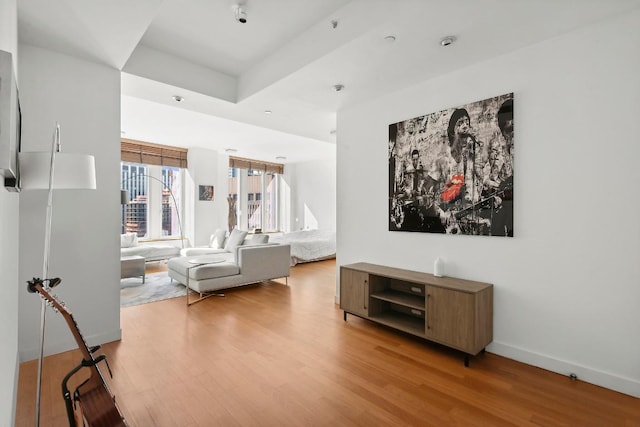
[[276, 355]]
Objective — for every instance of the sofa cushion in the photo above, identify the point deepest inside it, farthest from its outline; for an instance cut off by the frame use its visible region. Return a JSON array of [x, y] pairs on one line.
[[219, 267], [128, 240], [211, 271], [235, 239], [217, 239]]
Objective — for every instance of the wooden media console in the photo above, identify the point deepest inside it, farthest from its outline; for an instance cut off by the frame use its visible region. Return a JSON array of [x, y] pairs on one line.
[[453, 312]]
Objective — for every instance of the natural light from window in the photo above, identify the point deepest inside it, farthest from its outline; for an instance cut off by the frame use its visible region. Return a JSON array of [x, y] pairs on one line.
[[256, 193], [151, 212]]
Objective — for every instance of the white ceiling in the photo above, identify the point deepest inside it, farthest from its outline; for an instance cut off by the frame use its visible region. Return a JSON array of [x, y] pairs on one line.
[[286, 58]]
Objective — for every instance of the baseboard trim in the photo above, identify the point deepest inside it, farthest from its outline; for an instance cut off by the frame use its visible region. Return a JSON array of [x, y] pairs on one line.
[[562, 367], [61, 347]]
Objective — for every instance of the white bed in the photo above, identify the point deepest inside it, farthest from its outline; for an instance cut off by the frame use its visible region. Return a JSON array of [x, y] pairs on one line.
[[308, 245]]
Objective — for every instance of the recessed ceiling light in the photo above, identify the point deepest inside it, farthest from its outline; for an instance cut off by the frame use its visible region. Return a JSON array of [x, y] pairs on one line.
[[334, 24], [230, 150], [177, 98], [390, 38], [338, 88], [267, 111], [446, 41], [332, 132], [281, 158]]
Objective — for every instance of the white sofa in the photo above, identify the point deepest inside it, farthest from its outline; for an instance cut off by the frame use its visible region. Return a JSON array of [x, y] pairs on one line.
[[151, 251], [224, 270], [230, 261]]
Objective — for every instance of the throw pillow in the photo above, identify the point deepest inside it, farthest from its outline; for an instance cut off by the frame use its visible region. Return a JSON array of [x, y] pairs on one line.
[[128, 240], [235, 239], [217, 239]]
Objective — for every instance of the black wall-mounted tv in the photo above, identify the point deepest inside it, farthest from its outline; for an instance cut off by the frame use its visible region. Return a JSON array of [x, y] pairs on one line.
[[10, 124]]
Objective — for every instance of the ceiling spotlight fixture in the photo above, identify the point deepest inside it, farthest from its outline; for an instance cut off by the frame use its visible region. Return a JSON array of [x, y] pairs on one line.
[[177, 98], [446, 41], [390, 38], [338, 88], [240, 13], [334, 24], [281, 158], [230, 150]]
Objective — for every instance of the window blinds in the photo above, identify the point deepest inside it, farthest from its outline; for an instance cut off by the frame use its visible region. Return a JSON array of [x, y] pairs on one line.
[[152, 154], [240, 163]]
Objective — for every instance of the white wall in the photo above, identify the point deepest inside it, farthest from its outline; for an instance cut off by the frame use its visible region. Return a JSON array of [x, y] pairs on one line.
[[9, 204], [567, 286], [308, 194], [9, 304], [9, 26], [312, 188], [207, 167], [84, 98]]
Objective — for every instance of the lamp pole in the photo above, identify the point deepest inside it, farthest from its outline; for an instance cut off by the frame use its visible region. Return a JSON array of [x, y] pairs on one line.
[[55, 148]]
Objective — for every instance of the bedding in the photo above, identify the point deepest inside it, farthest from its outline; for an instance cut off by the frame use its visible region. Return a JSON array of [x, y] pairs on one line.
[[308, 245]]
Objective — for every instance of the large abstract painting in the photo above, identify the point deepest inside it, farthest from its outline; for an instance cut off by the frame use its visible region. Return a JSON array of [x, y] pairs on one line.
[[452, 171]]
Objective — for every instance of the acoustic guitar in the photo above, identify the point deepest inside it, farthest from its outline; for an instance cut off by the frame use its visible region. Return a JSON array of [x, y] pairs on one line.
[[97, 406]]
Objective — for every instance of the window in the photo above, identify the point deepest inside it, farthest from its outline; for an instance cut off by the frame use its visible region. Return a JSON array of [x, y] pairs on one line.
[[133, 178], [171, 201], [153, 175], [270, 203], [255, 186], [254, 211], [155, 200]]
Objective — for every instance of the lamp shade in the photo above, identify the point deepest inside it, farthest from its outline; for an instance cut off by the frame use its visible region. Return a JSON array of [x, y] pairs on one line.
[[72, 171]]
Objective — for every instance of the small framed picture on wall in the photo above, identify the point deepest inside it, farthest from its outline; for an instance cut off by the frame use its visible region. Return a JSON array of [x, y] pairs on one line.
[[205, 192]]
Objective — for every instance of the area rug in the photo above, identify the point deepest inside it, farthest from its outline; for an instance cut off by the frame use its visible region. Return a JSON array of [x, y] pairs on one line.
[[157, 287]]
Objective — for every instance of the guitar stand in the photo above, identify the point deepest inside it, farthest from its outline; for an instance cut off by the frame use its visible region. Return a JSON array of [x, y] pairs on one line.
[[66, 393]]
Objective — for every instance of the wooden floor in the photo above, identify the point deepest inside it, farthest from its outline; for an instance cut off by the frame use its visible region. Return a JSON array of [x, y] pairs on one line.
[[276, 355]]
